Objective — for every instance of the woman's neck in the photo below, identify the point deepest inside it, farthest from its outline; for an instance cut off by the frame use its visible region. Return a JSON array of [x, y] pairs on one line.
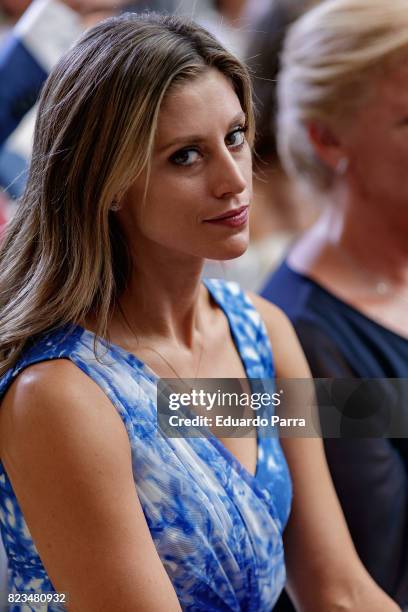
[[349, 237], [361, 256], [163, 299]]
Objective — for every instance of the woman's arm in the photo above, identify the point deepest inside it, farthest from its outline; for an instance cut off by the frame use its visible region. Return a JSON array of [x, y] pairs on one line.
[[324, 571], [67, 454]]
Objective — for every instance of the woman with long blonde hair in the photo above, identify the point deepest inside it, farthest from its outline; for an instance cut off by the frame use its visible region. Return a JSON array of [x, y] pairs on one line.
[[141, 169]]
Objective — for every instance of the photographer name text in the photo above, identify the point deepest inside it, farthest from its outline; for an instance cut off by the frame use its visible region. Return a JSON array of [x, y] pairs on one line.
[[229, 421]]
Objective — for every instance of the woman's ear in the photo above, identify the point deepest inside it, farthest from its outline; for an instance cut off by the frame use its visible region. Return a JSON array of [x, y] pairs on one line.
[[327, 145]]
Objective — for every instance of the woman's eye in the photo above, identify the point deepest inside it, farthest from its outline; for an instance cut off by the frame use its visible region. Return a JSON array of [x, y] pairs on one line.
[[236, 138], [185, 157]]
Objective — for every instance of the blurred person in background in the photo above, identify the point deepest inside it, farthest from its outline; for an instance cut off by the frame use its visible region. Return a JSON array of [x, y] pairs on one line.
[[32, 42], [343, 128], [40, 37], [28, 50], [232, 21]]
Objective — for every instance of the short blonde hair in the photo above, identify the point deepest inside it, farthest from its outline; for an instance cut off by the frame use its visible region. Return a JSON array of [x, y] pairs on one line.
[[330, 58]]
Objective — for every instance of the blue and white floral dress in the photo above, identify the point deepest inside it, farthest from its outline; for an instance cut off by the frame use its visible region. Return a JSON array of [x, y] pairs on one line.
[[217, 528]]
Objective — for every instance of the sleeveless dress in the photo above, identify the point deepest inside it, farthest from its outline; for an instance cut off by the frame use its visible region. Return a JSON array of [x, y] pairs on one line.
[[217, 529]]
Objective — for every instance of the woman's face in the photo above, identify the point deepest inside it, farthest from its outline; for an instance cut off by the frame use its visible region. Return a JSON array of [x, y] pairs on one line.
[[376, 142], [200, 185]]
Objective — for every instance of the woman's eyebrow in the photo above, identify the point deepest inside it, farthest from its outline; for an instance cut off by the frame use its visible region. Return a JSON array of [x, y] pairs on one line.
[[199, 138]]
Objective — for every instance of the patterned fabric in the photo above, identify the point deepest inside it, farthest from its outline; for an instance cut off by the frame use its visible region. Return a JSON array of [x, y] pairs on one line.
[[217, 528]]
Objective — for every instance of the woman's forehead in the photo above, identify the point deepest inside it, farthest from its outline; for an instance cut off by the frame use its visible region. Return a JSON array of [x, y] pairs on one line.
[[204, 100]]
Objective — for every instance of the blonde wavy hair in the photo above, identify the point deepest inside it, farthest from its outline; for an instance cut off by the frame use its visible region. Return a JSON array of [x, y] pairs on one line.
[[63, 255], [331, 59]]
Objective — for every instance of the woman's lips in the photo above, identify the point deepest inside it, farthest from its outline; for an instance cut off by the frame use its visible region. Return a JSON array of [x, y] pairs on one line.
[[232, 218]]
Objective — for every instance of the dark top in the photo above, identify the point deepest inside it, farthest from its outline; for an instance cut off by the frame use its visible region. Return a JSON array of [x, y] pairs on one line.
[[370, 474]]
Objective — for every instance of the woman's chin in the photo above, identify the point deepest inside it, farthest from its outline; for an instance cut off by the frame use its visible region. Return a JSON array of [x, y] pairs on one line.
[[231, 249]]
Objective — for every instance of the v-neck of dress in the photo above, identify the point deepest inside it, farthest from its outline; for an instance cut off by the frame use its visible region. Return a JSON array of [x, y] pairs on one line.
[[141, 366]]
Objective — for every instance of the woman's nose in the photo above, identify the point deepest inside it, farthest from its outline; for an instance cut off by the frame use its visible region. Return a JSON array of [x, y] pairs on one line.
[[229, 175]]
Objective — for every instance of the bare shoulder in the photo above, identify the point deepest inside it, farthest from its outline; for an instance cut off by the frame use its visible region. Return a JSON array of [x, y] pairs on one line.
[[278, 326], [52, 397], [289, 358], [273, 317], [46, 379], [78, 496]]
